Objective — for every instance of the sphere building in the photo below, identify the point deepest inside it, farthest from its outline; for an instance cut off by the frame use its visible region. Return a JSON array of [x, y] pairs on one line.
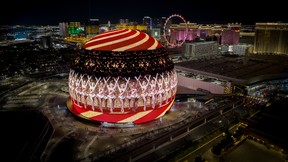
[[122, 76]]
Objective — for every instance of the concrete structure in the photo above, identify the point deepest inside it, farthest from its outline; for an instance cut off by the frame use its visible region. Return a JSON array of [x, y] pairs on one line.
[[259, 76], [201, 49], [239, 49]]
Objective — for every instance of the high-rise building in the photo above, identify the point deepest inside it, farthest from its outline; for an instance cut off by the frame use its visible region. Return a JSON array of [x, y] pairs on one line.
[[192, 32], [147, 21], [204, 32], [158, 22], [155, 33], [46, 41], [161, 24], [63, 29], [231, 35], [178, 33], [74, 28], [92, 27], [271, 38], [123, 21], [132, 26]]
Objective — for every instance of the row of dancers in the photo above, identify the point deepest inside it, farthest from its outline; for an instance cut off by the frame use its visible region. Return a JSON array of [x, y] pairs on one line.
[[127, 89]]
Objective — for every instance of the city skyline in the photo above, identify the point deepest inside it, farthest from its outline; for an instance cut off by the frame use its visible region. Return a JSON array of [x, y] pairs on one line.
[[53, 12], [224, 98]]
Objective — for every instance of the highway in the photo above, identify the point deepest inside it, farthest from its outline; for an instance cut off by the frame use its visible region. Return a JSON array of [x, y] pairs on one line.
[[156, 146]]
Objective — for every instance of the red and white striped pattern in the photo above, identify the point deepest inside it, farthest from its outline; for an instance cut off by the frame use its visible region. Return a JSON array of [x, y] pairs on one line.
[[122, 40], [137, 117]]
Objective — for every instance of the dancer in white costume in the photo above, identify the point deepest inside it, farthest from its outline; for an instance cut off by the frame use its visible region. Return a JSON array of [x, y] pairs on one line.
[[152, 92], [92, 94], [122, 93], [134, 94], [161, 90], [111, 93], [77, 90], [84, 91], [101, 94], [128, 95], [167, 86], [144, 92], [173, 82]]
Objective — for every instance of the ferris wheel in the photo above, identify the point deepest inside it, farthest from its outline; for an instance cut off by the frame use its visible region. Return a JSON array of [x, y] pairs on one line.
[[168, 35]]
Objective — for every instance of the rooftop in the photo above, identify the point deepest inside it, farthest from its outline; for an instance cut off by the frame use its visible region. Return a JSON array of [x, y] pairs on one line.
[[241, 70]]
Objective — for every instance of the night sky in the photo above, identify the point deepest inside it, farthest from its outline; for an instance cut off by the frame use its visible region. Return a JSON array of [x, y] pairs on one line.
[[51, 12]]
